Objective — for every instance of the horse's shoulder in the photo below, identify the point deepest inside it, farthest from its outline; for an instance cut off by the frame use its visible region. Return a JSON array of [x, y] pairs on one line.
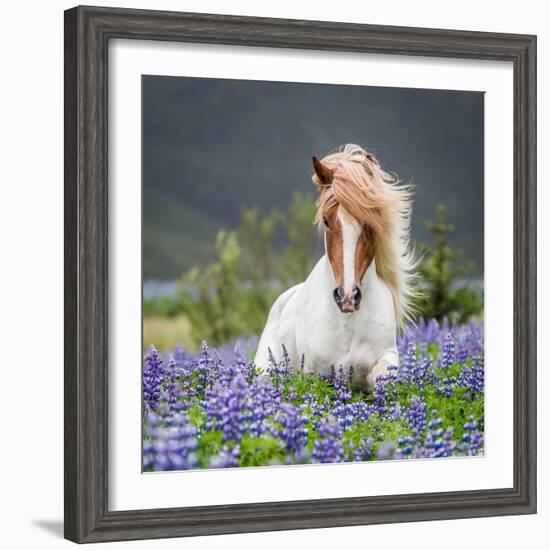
[[282, 301], [285, 297]]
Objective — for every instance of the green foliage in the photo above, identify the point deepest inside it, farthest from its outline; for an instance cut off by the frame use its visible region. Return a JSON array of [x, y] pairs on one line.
[[441, 295], [262, 451], [231, 296], [257, 234], [162, 307], [210, 444], [295, 262], [214, 298]]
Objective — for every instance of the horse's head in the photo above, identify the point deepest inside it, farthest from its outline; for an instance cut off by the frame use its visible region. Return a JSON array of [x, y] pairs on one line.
[[350, 240], [365, 211]]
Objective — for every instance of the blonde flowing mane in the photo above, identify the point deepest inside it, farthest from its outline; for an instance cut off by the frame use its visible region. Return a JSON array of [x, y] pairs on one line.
[[378, 200]]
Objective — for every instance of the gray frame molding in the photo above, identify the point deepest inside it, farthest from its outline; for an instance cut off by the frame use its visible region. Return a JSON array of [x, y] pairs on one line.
[[87, 34]]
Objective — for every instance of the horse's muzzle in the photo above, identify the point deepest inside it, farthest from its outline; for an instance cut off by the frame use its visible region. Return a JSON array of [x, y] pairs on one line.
[[347, 302]]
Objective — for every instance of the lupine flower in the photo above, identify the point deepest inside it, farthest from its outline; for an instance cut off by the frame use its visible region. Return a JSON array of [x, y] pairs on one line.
[[413, 371], [343, 409], [171, 396], [281, 371], [446, 386], [266, 400], [227, 458], [407, 368], [213, 409], [407, 446], [328, 448], [432, 378], [153, 376], [364, 450], [292, 428], [416, 414], [472, 440], [384, 392], [229, 408], [386, 451], [448, 352], [206, 369], [473, 378], [170, 447]]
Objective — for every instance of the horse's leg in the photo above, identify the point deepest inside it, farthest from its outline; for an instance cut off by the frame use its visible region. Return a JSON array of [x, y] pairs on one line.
[[381, 367]]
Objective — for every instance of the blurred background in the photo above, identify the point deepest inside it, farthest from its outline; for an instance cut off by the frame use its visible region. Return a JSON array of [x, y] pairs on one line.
[[228, 202]]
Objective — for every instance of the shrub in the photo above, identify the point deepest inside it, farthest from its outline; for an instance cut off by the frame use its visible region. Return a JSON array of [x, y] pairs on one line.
[[441, 296], [231, 296]]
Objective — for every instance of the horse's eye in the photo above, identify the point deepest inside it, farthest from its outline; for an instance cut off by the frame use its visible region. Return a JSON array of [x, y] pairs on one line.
[[325, 221]]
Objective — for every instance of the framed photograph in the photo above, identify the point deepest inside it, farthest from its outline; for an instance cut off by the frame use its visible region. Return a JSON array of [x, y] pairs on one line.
[[300, 274]]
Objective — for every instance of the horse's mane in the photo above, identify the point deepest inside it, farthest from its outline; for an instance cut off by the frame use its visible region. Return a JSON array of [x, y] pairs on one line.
[[380, 201]]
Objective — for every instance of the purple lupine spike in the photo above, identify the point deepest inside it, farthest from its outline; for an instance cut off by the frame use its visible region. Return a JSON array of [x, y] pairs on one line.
[[153, 377], [384, 393], [406, 446], [446, 386], [292, 427], [328, 448], [416, 414], [448, 352], [229, 408], [431, 333], [364, 450], [285, 367], [408, 364], [204, 368], [472, 441], [386, 450], [266, 402], [473, 378], [170, 447], [227, 457]]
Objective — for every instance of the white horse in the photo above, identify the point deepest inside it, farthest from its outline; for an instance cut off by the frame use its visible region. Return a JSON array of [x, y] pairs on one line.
[[347, 312]]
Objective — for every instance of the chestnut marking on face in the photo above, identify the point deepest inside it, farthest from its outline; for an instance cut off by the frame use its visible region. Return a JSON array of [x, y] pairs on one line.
[[334, 243], [350, 250], [349, 244]]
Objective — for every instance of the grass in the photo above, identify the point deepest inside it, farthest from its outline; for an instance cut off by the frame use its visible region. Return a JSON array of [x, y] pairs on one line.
[[168, 332]]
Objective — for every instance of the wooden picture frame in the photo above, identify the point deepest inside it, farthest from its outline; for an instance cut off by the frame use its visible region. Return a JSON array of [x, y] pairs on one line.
[[87, 34]]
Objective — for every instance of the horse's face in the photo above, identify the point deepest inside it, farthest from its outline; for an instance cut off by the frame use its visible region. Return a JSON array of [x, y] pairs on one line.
[[350, 252], [349, 246]]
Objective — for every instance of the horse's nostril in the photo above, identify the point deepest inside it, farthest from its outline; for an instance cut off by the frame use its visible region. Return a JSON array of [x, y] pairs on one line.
[[357, 295], [338, 295]]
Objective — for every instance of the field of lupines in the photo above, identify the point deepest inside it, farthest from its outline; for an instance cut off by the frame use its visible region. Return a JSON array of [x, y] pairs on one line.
[[214, 410]]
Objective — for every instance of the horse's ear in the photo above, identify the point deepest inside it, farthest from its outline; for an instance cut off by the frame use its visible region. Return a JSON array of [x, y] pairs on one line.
[[324, 173]]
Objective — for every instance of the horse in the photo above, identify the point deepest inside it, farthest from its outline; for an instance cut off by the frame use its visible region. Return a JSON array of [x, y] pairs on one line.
[[348, 311]]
